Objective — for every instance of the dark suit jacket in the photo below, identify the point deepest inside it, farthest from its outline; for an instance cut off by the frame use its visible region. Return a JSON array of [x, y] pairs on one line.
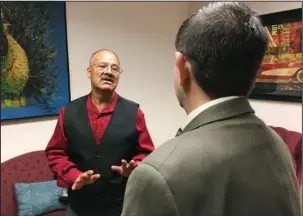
[[226, 162]]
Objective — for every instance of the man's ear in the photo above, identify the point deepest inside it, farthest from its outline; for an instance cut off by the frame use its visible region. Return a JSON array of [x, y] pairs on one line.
[[183, 67], [88, 70]]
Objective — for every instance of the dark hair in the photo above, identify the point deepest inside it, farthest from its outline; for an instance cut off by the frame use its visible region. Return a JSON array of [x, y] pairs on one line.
[[225, 44]]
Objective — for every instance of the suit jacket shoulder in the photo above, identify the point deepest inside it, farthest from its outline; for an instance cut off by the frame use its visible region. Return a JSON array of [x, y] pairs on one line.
[[158, 158], [216, 158]]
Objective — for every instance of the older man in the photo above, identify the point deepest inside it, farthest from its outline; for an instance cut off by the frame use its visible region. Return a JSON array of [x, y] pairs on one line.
[[93, 136]]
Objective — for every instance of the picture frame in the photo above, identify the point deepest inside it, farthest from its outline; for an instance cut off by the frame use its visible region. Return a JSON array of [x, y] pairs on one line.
[[280, 75], [33, 36]]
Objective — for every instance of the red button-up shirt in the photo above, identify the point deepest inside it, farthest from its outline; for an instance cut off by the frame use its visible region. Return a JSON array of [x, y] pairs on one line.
[[67, 171]]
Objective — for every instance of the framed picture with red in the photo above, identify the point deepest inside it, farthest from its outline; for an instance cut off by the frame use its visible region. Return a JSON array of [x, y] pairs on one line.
[[280, 75]]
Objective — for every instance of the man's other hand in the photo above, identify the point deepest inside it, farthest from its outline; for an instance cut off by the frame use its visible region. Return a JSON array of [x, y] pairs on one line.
[[87, 177], [126, 168]]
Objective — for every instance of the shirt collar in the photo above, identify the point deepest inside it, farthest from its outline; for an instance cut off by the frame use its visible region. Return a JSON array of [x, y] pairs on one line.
[[91, 107], [205, 106]]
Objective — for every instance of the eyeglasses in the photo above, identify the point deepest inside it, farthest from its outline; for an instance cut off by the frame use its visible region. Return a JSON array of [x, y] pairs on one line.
[[104, 67]]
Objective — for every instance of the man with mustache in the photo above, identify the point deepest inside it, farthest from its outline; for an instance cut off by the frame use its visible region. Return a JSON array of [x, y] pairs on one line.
[[226, 161], [98, 140]]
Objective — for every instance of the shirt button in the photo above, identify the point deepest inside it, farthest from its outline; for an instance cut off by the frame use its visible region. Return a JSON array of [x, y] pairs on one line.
[[98, 156], [98, 132]]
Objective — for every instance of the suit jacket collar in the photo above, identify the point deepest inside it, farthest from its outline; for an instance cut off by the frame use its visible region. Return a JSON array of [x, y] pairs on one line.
[[203, 107], [221, 111]]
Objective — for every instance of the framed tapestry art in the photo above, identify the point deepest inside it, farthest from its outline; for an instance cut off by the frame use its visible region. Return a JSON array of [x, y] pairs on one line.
[[280, 75], [34, 61]]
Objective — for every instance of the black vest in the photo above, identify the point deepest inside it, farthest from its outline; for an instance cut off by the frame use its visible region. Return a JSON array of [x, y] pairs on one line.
[[118, 142]]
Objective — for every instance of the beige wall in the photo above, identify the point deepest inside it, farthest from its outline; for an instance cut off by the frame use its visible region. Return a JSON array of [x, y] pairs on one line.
[[143, 36]]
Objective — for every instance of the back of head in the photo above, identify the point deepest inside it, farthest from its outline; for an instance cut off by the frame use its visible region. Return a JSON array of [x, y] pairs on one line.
[[225, 44]]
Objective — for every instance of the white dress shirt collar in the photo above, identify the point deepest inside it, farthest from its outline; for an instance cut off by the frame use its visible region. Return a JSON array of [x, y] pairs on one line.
[[203, 107]]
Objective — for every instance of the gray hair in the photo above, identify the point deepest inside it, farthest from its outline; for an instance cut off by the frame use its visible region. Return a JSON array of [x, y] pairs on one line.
[[101, 50]]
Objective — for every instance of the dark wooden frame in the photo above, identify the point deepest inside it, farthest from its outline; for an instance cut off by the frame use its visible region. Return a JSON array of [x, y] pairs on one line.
[[279, 95]]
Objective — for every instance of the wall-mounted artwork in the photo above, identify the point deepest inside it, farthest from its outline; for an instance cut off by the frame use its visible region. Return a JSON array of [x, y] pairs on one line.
[[34, 61], [280, 76]]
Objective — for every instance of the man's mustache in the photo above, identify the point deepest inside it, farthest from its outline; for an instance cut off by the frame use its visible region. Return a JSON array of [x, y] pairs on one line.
[[108, 77]]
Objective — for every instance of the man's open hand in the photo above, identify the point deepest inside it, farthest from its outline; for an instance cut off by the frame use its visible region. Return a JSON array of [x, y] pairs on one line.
[[126, 168], [87, 177]]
